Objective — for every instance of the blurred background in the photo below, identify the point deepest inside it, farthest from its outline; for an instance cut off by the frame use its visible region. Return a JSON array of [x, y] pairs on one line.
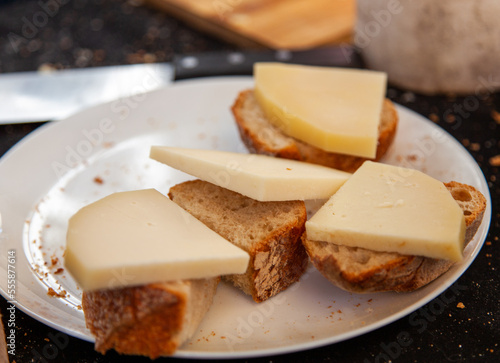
[[86, 33]]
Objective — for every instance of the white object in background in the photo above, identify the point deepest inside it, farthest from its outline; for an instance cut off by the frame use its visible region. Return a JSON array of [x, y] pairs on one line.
[[432, 47]]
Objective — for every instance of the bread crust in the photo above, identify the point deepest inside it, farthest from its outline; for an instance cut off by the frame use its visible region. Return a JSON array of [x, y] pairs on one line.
[[275, 263], [261, 137], [151, 320], [277, 256], [360, 270]]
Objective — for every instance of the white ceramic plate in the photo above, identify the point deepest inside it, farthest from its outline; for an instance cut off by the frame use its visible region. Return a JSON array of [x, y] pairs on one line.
[[65, 165]]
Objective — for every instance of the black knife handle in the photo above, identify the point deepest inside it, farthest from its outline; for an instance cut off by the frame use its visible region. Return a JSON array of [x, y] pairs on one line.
[[241, 62]]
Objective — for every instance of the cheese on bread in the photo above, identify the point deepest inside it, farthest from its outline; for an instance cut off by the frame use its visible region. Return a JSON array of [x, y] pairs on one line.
[[334, 109], [260, 177], [140, 237], [392, 209]]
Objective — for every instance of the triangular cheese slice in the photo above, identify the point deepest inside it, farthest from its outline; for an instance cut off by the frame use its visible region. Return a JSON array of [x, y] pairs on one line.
[[334, 109], [140, 237], [392, 209]]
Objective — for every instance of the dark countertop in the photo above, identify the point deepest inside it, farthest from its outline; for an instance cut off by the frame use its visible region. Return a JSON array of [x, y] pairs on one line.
[[86, 33]]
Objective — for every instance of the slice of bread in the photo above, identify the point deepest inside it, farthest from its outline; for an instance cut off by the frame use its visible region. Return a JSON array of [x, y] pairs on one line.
[[269, 231], [151, 320], [261, 137], [4, 357], [361, 270]]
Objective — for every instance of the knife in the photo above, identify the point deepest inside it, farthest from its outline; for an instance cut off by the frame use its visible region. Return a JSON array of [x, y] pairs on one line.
[[46, 96]]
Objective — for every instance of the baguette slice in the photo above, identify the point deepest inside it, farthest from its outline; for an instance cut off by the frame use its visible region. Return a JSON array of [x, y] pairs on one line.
[[269, 231], [261, 137], [361, 270], [151, 320]]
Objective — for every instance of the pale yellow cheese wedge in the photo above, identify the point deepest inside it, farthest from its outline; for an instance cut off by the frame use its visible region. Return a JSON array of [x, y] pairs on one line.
[[334, 109], [140, 237], [260, 177], [392, 209]]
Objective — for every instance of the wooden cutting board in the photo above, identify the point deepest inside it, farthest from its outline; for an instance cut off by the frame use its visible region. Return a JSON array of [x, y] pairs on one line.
[[277, 24]]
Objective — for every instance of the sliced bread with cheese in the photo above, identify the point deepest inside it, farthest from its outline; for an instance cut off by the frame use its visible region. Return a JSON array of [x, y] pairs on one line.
[[262, 137], [148, 270], [269, 231], [362, 270], [151, 320]]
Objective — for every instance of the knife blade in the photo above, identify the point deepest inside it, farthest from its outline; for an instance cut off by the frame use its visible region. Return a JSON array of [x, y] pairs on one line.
[[46, 96]]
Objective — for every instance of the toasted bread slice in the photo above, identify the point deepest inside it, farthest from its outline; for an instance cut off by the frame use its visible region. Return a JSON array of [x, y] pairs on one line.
[[269, 231], [151, 320], [361, 270], [261, 137]]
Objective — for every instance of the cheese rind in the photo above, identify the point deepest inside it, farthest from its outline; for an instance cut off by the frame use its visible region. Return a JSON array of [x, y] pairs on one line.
[[260, 177], [140, 237], [334, 109], [392, 209]]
